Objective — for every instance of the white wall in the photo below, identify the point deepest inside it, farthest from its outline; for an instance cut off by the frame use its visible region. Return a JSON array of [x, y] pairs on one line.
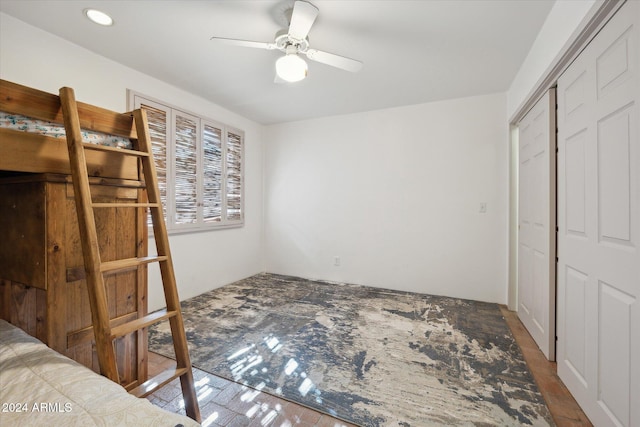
[[395, 194], [202, 261]]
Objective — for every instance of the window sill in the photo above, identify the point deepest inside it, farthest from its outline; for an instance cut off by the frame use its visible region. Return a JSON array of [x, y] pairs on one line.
[[200, 229]]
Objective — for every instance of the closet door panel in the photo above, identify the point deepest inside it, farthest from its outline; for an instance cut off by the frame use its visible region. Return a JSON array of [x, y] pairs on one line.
[[599, 224], [537, 223]]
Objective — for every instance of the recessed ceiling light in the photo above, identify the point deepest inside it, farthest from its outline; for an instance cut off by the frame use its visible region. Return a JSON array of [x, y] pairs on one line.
[[98, 17]]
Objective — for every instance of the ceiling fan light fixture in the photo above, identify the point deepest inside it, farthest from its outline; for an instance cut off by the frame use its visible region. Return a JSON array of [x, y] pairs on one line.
[[291, 68]]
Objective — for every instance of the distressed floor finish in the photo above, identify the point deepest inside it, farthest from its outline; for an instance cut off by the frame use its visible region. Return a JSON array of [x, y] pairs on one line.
[[369, 356]]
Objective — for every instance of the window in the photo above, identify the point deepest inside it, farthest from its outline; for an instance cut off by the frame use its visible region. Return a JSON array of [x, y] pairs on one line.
[[200, 166]]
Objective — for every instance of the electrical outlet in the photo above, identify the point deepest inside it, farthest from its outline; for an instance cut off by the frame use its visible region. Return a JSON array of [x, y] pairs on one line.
[[336, 261], [483, 207]]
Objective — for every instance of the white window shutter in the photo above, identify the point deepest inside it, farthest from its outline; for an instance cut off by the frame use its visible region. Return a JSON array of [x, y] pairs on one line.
[[234, 176], [200, 166], [185, 169]]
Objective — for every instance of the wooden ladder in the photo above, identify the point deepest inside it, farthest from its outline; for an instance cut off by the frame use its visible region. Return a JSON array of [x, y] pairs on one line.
[[104, 332]]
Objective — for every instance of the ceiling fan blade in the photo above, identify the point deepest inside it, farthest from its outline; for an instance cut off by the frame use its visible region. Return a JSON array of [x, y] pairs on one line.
[[302, 18], [244, 43], [334, 60]]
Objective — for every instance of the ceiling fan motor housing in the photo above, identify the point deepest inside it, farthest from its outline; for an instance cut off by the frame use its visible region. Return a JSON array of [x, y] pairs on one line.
[[283, 41]]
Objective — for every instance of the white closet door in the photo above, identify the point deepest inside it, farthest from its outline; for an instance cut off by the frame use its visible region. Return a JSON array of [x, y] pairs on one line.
[[537, 223], [599, 224]]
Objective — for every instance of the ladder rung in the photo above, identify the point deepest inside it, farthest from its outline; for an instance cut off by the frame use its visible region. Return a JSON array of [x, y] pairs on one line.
[[125, 151], [122, 264], [143, 322], [125, 205], [160, 380]]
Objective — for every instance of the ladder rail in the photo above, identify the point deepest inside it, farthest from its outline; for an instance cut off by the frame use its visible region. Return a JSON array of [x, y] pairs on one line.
[[157, 216], [95, 269], [166, 268], [88, 237]]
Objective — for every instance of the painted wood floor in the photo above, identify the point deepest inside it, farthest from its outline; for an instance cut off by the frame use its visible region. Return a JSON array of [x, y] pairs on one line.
[[224, 403]]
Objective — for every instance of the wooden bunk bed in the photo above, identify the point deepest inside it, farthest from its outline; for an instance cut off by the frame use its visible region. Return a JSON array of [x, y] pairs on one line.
[[24, 151], [44, 287], [42, 278]]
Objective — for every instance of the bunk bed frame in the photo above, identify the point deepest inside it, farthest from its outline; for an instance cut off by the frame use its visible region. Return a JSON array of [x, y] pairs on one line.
[[35, 153], [43, 283], [43, 286], [74, 278]]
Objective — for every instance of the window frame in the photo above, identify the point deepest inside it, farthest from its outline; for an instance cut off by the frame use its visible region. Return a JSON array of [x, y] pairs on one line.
[[135, 100]]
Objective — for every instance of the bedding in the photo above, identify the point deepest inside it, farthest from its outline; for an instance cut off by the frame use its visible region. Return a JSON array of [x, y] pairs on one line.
[[55, 130], [42, 387]]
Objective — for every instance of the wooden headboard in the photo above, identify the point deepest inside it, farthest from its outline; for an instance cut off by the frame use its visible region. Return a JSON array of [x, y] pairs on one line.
[[29, 152]]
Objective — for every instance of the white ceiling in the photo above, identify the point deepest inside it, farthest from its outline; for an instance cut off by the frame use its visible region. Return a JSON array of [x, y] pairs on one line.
[[413, 51]]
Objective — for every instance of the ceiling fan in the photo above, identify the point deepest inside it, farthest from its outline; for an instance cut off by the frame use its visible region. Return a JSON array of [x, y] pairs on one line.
[[293, 42]]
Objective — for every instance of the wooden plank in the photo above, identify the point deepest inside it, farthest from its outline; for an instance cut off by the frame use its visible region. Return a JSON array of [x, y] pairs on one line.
[[107, 183], [105, 227], [42, 105], [32, 177], [142, 322], [28, 152], [5, 300], [77, 296], [108, 191], [41, 314], [125, 248], [22, 212], [85, 355], [125, 287], [121, 151], [130, 262], [128, 247], [125, 205], [158, 382], [76, 291], [23, 307], [75, 274], [78, 273], [85, 335], [142, 243], [57, 308]]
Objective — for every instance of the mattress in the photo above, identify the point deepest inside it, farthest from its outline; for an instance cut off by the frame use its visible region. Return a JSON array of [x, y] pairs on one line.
[[41, 387], [55, 130]]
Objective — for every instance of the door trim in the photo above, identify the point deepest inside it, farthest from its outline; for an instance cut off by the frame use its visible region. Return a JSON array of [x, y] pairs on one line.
[[568, 54]]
